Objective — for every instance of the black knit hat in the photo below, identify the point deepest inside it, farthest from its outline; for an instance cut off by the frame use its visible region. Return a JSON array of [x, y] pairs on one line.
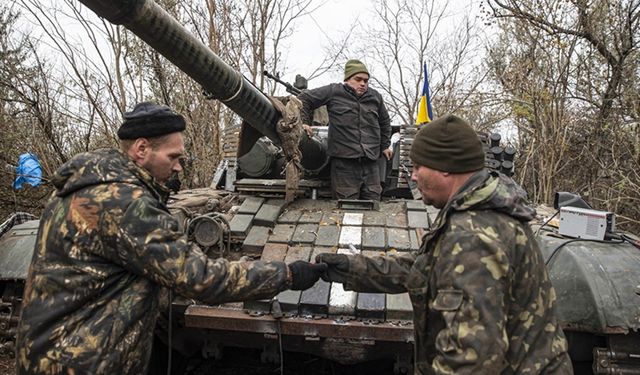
[[448, 144], [148, 120]]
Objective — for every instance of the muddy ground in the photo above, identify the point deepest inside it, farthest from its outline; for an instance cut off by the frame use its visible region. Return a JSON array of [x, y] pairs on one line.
[[247, 362], [7, 364]]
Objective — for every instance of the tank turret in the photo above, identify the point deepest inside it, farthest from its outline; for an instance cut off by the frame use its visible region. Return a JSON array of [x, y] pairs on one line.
[[596, 281]]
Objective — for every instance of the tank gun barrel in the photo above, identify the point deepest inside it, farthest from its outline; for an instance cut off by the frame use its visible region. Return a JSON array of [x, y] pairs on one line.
[[163, 33]]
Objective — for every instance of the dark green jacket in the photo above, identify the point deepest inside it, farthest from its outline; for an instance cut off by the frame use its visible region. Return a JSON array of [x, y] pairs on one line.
[[482, 299], [358, 126], [106, 247]]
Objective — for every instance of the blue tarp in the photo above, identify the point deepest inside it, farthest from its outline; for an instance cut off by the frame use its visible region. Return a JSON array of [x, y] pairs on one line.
[[28, 171]]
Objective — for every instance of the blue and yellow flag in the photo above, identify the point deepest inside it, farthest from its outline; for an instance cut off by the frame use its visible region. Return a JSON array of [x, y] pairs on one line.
[[425, 114]]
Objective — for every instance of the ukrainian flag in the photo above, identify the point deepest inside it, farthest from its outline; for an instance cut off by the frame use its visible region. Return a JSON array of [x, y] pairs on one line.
[[425, 114]]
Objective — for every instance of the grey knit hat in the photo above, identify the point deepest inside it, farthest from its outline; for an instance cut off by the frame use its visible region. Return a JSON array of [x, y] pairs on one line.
[[448, 144]]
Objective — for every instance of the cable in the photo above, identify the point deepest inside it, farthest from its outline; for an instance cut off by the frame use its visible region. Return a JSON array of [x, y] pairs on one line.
[[279, 325], [547, 222], [555, 251], [169, 329], [630, 240], [276, 313]]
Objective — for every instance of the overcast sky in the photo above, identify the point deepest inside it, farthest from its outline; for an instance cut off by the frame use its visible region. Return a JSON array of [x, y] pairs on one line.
[[313, 33], [333, 20]]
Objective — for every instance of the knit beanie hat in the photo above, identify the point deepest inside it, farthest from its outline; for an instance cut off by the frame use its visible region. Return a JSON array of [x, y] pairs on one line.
[[448, 144], [148, 120], [353, 67]]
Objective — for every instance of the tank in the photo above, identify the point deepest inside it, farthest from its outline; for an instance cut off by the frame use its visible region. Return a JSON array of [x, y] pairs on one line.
[[245, 213]]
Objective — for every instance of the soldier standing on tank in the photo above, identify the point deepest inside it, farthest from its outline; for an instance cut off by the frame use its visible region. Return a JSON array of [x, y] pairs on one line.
[[359, 131], [106, 248], [482, 299]]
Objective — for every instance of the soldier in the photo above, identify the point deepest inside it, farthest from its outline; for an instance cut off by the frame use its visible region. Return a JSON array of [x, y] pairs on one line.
[[359, 131], [482, 300], [107, 246]]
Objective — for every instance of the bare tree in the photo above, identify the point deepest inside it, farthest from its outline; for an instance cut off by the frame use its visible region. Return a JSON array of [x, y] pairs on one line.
[[404, 34], [26, 116], [561, 68]]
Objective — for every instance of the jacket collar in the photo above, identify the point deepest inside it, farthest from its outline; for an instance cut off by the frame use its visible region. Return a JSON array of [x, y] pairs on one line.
[[474, 182], [160, 191], [351, 91]]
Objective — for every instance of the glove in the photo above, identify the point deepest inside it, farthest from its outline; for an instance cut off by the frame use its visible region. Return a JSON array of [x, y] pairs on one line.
[[305, 274], [338, 267]]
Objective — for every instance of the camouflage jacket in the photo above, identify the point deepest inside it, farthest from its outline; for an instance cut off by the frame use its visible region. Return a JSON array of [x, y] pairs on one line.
[[105, 249], [358, 126], [482, 299]]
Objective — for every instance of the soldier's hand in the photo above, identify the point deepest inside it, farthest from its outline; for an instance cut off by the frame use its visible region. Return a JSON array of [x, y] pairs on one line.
[[308, 129], [338, 266], [387, 153], [305, 274]]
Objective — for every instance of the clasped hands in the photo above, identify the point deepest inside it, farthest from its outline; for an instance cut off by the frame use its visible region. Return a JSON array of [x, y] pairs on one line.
[[330, 267]]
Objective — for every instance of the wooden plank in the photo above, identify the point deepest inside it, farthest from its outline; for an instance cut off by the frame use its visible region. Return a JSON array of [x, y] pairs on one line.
[[370, 306], [272, 252], [315, 300], [289, 299], [342, 302], [211, 317]]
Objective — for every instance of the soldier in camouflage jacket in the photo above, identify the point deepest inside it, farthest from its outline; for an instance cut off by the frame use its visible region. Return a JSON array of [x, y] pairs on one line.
[[106, 247], [482, 299]]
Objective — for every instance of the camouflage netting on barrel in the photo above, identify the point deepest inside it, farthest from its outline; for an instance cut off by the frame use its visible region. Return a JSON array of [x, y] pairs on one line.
[[289, 129]]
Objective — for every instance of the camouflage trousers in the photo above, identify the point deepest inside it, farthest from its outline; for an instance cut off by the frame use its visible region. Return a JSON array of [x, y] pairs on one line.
[[355, 179]]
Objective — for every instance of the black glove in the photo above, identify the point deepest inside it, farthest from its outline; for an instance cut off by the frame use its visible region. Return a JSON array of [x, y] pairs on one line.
[[338, 266], [305, 274]]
